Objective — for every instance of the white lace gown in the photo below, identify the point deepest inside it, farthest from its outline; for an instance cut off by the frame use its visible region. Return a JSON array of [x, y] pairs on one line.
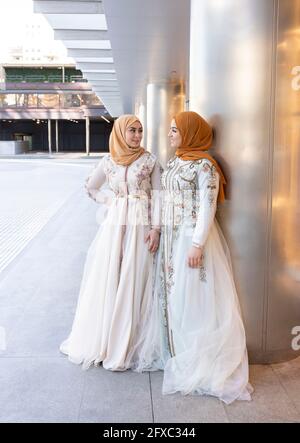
[[116, 288], [196, 333]]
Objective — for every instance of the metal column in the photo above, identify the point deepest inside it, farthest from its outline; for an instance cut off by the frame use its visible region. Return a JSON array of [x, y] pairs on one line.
[[56, 135], [49, 137], [164, 100], [243, 64], [87, 135]]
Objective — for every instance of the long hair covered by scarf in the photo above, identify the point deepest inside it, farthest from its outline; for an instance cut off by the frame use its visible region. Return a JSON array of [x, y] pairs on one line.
[[197, 138], [120, 151]]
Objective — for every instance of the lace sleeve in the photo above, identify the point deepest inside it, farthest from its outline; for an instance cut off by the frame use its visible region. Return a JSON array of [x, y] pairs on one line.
[[95, 180], [155, 199], [208, 181]]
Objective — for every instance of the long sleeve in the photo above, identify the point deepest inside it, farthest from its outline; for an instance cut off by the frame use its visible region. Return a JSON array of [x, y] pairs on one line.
[[95, 181], [155, 199], [208, 181]]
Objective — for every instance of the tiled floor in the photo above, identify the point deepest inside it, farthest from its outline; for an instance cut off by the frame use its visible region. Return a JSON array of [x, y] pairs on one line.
[[38, 293]]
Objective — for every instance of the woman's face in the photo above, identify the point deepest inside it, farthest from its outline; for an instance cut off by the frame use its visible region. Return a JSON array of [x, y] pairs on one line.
[[174, 136], [134, 135]]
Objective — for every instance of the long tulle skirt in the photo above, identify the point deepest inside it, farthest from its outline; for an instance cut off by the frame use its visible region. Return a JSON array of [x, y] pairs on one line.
[[195, 332], [115, 293]]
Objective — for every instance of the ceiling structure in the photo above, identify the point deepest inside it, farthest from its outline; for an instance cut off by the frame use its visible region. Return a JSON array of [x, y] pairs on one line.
[[122, 45]]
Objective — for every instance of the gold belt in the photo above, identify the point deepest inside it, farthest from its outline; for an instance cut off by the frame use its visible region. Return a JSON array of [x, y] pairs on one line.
[[133, 196]]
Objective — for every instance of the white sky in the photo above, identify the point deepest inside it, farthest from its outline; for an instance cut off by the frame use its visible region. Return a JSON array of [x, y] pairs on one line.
[[15, 14]]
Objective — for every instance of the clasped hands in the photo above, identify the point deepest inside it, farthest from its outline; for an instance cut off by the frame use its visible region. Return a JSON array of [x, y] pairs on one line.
[[153, 238], [195, 254], [195, 257]]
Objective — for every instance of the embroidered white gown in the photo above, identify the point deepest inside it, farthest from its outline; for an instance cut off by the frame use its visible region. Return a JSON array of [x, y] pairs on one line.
[[116, 287], [196, 333]]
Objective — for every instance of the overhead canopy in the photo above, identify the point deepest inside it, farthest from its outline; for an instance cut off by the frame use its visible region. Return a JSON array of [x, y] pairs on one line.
[[121, 46]]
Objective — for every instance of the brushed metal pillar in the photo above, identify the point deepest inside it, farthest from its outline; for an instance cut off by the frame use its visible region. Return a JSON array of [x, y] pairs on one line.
[[141, 113], [164, 100], [283, 313], [243, 54], [49, 137], [56, 135], [87, 135]]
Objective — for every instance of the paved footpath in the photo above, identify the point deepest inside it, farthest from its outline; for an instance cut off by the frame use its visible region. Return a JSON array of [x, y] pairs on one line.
[[46, 226]]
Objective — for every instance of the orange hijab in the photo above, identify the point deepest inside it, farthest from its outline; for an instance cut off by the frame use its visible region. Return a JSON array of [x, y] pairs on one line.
[[120, 151], [197, 138]]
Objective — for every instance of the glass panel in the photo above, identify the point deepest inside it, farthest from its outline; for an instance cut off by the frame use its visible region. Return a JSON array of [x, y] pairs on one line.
[[75, 78], [90, 100], [26, 100], [48, 100], [7, 100], [32, 100], [35, 78], [71, 100], [20, 100], [14, 78], [55, 78]]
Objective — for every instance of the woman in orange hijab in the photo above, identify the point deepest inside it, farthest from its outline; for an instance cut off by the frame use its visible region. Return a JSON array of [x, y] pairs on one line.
[[116, 289], [200, 343]]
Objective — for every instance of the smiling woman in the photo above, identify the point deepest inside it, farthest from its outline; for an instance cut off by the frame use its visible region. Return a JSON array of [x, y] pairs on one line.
[[196, 334], [134, 134], [116, 290]]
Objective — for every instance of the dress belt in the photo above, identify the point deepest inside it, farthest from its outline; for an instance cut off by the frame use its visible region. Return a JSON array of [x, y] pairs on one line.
[[133, 196]]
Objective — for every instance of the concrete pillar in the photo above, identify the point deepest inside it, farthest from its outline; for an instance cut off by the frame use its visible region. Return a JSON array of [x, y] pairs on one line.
[[49, 137], [56, 135], [164, 100], [140, 112], [87, 135], [242, 56]]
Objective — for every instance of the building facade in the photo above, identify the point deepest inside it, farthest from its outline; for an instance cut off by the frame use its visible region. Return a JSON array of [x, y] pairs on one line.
[[51, 106], [46, 104]]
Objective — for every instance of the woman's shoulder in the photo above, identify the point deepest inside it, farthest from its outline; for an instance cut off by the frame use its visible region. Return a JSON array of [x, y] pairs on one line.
[[104, 158], [172, 161], [205, 164], [106, 162], [150, 158], [206, 168], [154, 162], [203, 161]]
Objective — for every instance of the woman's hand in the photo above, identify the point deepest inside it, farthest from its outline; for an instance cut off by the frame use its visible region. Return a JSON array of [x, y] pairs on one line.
[[195, 257], [153, 238]]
